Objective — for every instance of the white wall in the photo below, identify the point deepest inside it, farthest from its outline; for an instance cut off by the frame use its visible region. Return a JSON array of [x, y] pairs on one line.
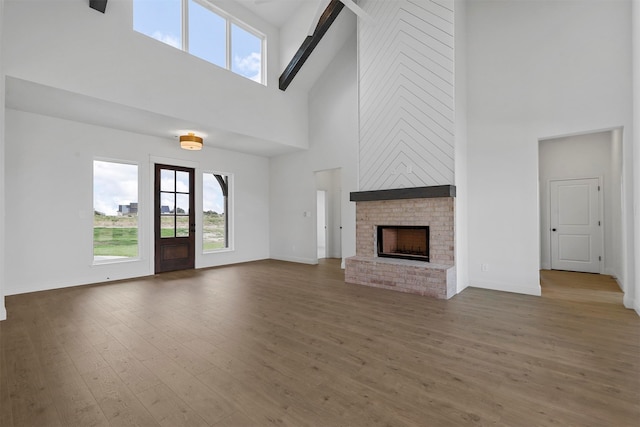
[[460, 89], [295, 30], [50, 204], [632, 296], [3, 311], [558, 160], [333, 143], [536, 69], [69, 46]]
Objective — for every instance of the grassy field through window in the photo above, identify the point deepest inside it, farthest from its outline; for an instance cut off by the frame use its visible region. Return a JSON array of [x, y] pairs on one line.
[[213, 231], [115, 236], [118, 235]]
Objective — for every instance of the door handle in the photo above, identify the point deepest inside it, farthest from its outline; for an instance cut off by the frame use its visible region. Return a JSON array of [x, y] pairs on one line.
[[553, 229]]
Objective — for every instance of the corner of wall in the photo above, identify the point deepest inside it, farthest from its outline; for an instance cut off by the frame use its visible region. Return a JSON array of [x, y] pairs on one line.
[[535, 290], [3, 310], [631, 303], [632, 294]]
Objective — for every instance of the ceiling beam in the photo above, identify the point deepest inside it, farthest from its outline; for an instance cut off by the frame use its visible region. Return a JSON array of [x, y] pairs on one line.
[[99, 5], [328, 16]]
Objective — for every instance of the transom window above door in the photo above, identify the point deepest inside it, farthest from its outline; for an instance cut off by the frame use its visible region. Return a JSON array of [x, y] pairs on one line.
[[203, 30]]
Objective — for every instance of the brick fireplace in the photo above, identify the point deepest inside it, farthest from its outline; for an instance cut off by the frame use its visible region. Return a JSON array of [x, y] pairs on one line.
[[431, 207]]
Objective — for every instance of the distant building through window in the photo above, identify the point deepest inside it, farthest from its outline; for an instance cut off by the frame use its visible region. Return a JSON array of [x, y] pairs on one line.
[[203, 30], [115, 211]]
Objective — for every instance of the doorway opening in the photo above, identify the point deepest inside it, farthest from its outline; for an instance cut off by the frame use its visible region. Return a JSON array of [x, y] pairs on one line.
[[321, 215], [580, 179], [329, 213]]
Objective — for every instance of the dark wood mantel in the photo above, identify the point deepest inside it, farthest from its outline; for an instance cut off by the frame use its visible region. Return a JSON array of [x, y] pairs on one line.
[[404, 193]]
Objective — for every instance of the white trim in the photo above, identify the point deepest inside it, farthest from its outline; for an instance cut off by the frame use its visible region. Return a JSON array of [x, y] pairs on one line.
[[631, 303], [116, 260], [66, 283], [157, 160], [229, 21], [95, 262], [153, 160], [587, 132], [230, 214]]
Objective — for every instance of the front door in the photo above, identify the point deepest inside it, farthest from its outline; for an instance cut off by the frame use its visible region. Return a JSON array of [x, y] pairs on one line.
[[174, 218], [576, 229]]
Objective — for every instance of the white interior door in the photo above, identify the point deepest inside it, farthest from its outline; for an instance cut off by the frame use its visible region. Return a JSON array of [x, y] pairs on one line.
[[576, 231]]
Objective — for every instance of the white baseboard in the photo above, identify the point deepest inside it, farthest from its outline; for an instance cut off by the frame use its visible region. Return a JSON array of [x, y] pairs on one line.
[[61, 284], [631, 303], [506, 287], [295, 259]]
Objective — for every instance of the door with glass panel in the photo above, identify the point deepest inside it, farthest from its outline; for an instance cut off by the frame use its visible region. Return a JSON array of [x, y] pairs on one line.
[[174, 218]]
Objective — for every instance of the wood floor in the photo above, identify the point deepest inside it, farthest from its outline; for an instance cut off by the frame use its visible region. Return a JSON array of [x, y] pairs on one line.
[[275, 343]]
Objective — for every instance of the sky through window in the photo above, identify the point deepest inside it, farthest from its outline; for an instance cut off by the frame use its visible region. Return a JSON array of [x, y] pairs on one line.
[[207, 34]]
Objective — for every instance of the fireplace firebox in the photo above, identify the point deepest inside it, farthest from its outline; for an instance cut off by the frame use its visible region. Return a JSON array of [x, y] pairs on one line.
[[403, 241]]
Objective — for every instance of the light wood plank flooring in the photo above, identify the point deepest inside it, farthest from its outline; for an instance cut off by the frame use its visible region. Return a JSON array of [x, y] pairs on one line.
[[275, 343]]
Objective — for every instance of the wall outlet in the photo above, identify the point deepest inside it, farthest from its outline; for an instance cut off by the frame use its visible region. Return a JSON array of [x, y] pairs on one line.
[[484, 267]]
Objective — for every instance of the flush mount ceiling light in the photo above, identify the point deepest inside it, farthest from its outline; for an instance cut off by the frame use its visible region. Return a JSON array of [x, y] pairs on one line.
[[190, 142]]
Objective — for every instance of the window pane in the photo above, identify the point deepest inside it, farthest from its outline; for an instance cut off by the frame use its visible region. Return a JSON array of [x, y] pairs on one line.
[[167, 226], [115, 207], [207, 35], [160, 19], [182, 204], [246, 53], [182, 226], [182, 182], [167, 203], [167, 180], [214, 219]]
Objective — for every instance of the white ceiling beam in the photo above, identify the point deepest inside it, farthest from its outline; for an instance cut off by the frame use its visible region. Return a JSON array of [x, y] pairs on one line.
[[358, 11]]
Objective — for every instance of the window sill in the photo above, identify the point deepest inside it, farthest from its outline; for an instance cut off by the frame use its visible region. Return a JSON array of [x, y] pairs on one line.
[[106, 260], [217, 251]]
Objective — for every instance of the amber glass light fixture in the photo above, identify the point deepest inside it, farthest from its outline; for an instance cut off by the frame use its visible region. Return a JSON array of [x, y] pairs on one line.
[[190, 142]]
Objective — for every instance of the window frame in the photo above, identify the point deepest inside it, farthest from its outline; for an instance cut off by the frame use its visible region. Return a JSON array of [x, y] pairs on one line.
[[229, 20], [229, 237], [138, 257]]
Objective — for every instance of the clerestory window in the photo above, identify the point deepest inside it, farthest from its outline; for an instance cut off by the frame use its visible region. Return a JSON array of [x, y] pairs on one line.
[[203, 30]]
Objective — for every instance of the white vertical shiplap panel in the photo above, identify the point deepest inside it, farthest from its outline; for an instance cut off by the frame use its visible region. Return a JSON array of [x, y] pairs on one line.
[[406, 94]]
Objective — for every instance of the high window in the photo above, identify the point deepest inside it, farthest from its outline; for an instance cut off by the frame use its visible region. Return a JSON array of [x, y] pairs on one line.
[[205, 31], [215, 216], [115, 211]]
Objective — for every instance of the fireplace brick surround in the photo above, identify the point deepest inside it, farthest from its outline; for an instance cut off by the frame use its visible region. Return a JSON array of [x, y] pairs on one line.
[[432, 206]]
